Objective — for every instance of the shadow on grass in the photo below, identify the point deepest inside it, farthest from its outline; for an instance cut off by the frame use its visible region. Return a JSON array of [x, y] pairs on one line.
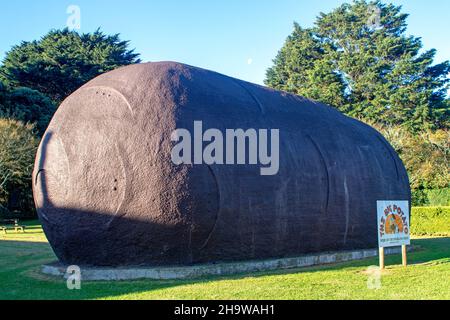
[[21, 277], [80, 235]]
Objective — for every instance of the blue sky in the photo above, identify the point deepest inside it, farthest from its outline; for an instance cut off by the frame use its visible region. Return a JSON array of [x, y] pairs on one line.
[[235, 37]]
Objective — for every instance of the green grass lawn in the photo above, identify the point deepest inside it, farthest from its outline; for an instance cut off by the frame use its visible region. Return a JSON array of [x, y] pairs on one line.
[[427, 277]]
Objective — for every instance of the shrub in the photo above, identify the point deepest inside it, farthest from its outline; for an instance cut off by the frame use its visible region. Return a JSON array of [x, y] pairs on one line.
[[27, 105], [426, 156], [419, 197], [18, 146], [430, 221], [438, 197]]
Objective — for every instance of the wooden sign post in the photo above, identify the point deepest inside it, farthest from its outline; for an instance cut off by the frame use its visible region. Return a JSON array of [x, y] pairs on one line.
[[381, 256], [404, 261], [393, 227]]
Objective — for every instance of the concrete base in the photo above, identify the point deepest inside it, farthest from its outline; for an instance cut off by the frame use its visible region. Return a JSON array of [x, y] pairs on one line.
[[195, 271]]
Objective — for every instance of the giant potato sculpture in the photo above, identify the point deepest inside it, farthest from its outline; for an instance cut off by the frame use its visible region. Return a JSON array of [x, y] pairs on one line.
[[108, 194]]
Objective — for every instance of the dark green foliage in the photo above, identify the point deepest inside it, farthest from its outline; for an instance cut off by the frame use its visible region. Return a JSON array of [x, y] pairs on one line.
[[419, 197], [300, 68], [63, 60], [374, 72], [431, 197], [18, 146], [430, 221], [28, 106]]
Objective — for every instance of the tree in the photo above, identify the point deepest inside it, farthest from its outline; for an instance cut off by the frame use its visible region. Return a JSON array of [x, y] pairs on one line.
[[26, 105], [426, 156], [62, 60], [358, 59], [18, 146], [300, 67]]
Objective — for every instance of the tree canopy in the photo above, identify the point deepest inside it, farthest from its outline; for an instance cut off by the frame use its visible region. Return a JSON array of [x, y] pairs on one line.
[[62, 60], [359, 59], [26, 105]]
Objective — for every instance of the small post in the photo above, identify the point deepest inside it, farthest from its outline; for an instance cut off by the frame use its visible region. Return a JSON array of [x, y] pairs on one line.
[[381, 257], [404, 260]]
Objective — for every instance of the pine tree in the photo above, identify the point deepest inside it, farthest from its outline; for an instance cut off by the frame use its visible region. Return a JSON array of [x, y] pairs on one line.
[[62, 60], [359, 59]]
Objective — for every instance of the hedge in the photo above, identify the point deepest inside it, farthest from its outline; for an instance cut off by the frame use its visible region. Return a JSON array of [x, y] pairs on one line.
[[430, 221]]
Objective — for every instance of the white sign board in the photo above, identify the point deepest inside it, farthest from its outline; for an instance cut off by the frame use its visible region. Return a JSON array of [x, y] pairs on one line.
[[393, 223]]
